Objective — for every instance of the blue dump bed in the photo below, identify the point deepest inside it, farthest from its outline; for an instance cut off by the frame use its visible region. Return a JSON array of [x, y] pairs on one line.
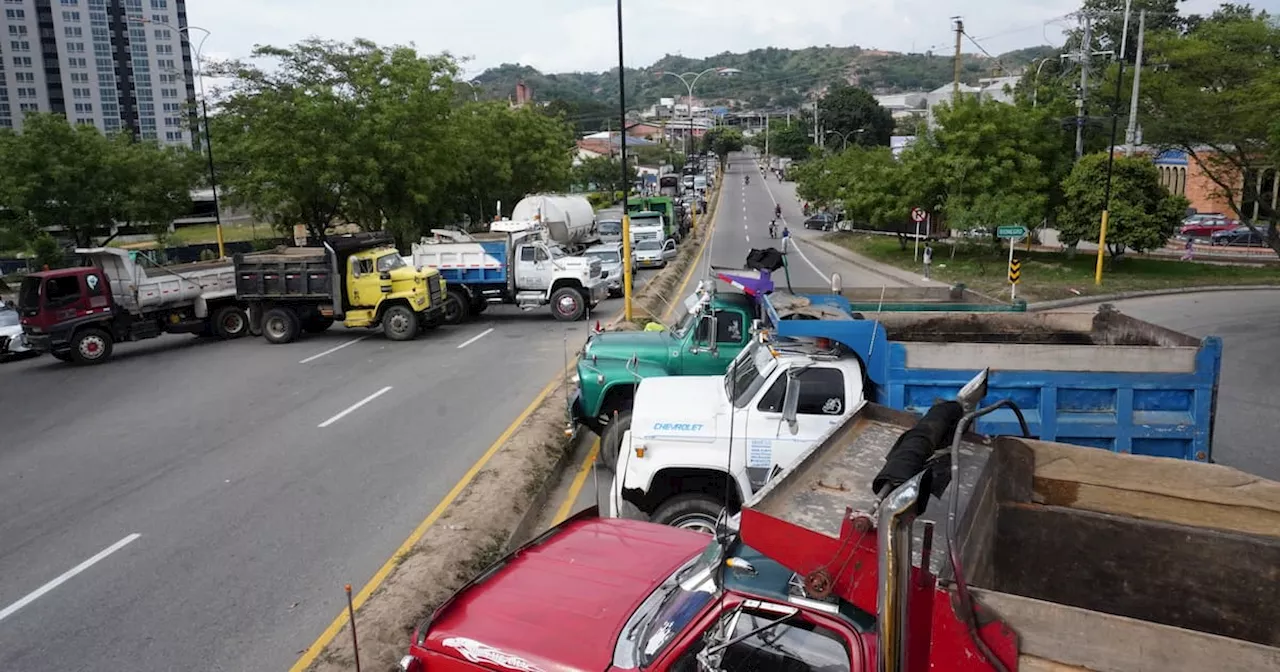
[[471, 263], [1100, 379]]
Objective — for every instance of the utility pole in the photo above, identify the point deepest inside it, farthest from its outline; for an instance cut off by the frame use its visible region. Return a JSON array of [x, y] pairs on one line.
[[766, 136], [955, 85], [626, 181], [1086, 49], [815, 123], [1131, 132]]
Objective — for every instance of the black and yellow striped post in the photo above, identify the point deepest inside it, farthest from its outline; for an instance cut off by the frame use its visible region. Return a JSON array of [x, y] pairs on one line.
[[1015, 274]]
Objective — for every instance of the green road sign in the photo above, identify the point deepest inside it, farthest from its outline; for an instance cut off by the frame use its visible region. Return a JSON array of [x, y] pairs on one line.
[[1011, 231]]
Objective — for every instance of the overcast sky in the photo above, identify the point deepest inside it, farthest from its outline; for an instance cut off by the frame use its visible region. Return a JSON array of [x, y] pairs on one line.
[[572, 35]]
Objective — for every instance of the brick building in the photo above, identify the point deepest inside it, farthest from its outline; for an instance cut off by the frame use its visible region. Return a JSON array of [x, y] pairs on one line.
[[1183, 175]]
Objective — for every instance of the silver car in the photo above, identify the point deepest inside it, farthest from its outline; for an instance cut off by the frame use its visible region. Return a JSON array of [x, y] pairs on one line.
[[652, 254], [610, 256], [12, 344]]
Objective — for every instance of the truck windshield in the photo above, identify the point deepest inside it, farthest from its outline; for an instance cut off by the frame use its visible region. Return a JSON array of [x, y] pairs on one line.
[[389, 261], [29, 293], [684, 595], [747, 373], [608, 228]]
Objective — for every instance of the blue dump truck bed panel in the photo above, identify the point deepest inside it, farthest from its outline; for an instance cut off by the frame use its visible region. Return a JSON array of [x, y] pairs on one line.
[[475, 263], [1101, 379]]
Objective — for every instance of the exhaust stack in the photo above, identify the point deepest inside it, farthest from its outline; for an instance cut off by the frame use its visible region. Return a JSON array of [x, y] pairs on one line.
[[897, 513]]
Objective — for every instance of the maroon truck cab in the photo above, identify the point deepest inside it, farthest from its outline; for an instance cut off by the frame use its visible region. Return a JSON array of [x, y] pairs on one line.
[[64, 311]]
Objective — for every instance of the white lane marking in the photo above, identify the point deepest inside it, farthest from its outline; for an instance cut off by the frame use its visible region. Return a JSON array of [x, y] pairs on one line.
[[332, 350], [352, 408], [67, 576], [748, 239], [475, 338]]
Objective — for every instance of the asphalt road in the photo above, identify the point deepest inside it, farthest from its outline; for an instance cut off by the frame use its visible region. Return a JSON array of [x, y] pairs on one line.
[[1248, 322], [742, 224], [255, 479]]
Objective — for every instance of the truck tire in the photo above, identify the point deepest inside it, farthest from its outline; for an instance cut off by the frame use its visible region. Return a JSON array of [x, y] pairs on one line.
[[478, 305], [91, 346], [280, 325], [457, 306], [230, 322], [611, 442], [568, 304], [695, 512], [399, 323], [317, 325]]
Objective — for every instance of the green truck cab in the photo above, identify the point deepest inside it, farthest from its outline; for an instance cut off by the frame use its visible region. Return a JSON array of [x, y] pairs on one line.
[[662, 205]]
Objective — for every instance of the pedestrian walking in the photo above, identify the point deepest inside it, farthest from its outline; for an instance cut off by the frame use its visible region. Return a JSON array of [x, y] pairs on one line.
[[928, 259], [1190, 252]]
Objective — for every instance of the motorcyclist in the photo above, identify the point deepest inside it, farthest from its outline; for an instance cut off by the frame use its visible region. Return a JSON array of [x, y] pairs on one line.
[[746, 179], [777, 210], [773, 228]]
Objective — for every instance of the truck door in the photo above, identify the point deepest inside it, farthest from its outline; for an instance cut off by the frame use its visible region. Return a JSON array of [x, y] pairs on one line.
[[731, 336], [823, 404], [363, 288], [533, 268]]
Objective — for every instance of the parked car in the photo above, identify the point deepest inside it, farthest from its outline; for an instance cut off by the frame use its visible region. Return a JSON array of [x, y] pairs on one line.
[[823, 221], [12, 343], [610, 256], [1240, 235], [652, 254], [1205, 225]]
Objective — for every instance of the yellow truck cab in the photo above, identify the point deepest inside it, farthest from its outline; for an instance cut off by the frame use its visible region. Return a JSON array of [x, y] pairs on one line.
[[360, 279]]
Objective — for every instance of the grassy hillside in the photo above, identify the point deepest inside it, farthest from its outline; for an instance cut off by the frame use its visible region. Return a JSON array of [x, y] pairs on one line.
[[769, 77]]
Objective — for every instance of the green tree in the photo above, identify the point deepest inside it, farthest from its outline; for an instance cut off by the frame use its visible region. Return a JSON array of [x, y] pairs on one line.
[[504, 154], [1213, 94], [988, 163], [76, 182], [1143, 214], [722, 140], [1108, 23], [854, 113], [602, 173], [790, 141]]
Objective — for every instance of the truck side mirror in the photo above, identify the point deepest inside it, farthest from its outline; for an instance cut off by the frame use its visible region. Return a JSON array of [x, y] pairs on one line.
[[711, 335], [791, 402], [836, 285]]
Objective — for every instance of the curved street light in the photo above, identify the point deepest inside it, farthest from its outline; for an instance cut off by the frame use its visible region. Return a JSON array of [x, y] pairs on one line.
[[845, 136], [689, 86], [185, 33]]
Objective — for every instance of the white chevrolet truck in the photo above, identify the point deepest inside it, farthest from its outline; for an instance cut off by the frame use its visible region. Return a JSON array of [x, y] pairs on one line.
[[699, 443]]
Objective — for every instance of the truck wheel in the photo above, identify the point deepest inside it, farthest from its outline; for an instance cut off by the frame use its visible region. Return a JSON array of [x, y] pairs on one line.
[[280, 325], [317, 325], [91, 346], [456, 306], [611, 442], [399, 323], [568, 305], [479, 305], [690, 512], [230, 322]]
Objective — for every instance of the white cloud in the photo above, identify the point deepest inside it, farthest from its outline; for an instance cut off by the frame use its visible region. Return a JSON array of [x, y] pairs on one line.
[[562, 35]]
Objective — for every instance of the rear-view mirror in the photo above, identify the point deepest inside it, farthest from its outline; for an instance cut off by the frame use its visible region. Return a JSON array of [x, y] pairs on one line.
[[836, 284], [790, 402]]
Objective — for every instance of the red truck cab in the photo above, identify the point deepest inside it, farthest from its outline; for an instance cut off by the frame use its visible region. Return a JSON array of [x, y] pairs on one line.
[[54, 304], [612, 594]]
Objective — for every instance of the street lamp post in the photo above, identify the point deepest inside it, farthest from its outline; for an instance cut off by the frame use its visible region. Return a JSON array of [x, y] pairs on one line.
[[844, 137], [689, 86], [626, 181], [1035, 83], [475, 90], [185, 33]]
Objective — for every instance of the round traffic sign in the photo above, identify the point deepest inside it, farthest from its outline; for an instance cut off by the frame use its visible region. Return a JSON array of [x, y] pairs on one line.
[[918, 214]]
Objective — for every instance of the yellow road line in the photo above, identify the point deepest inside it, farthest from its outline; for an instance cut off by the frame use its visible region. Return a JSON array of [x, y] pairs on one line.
[[309, 656], [693, 268], [566, 507]]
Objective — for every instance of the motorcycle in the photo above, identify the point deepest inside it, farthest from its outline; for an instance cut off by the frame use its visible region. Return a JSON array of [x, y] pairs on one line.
[[746, 179], [773, 230]]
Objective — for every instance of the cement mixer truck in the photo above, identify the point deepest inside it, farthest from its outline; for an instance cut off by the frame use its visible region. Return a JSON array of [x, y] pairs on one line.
[[570, 221]]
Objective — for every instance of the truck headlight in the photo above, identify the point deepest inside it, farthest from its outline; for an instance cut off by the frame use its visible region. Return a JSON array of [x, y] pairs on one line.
[[575, 379]]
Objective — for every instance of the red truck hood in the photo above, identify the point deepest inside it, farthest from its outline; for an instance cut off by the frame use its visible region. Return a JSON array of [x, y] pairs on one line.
[[561, 604]]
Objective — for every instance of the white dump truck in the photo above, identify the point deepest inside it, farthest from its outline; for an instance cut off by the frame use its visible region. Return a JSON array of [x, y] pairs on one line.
[[516, 262]]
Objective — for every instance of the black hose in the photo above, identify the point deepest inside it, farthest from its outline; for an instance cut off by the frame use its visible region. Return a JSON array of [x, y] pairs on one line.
[[962, 588]]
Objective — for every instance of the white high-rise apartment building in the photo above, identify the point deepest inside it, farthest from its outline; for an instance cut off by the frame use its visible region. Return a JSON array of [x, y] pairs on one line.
[[121, 65]]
